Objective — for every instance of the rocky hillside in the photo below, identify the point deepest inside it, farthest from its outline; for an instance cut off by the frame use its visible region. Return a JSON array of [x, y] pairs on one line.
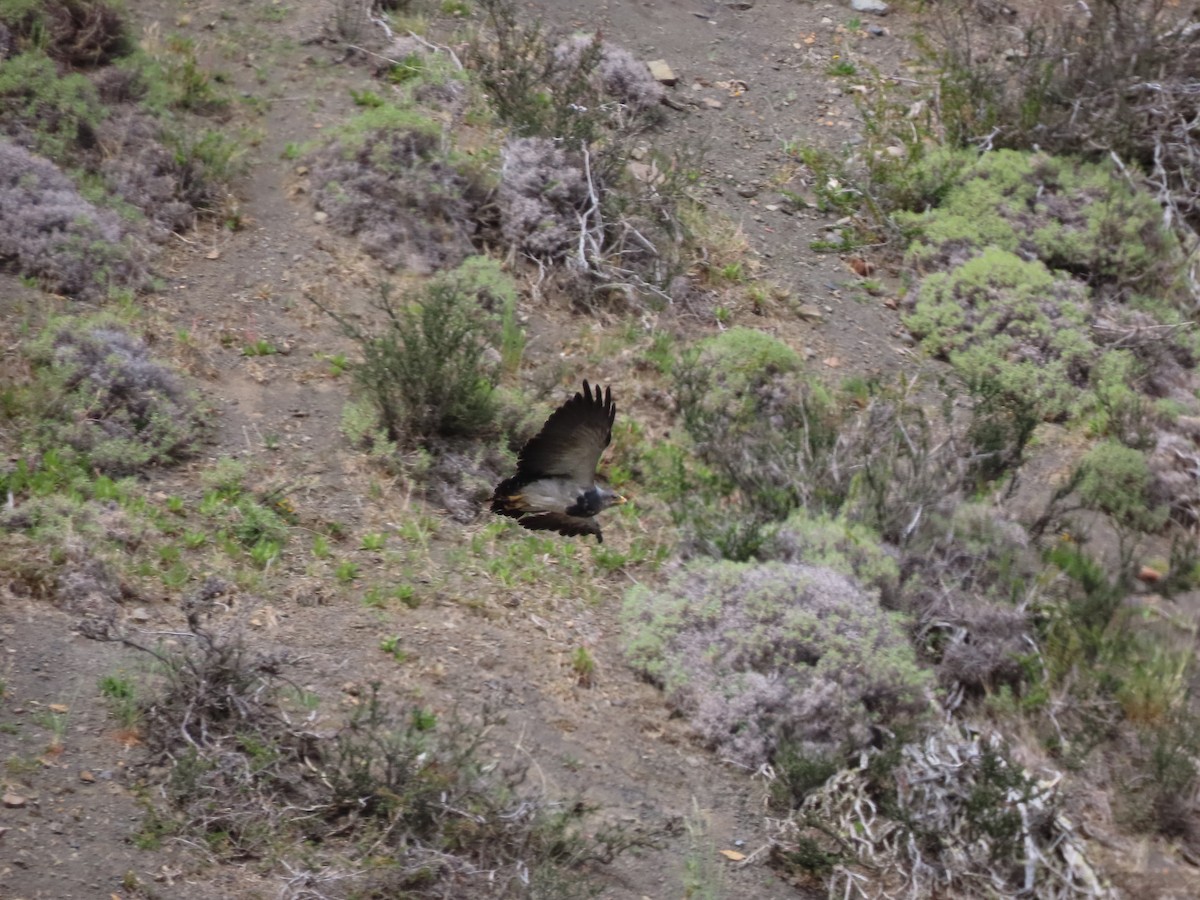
[[897, 309]]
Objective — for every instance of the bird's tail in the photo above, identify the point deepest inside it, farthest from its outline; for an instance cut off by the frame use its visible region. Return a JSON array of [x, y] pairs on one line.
[[508, 501]]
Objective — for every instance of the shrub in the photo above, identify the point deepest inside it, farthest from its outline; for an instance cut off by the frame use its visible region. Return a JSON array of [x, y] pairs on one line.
[[1114, 77], [49, 232], [1007, 322], [758, 421], [1078, 218], [616, 72], [542, 194], [100, 392], [760, 654], [1174, 462], [967, 579], [1030, 273], [1160, 797], [168, 185], [387, 179], [419, 805], [1115, 480], [432, 367], [51, 113], [821, 540], [953, 815], [76, 32], [564, 90]]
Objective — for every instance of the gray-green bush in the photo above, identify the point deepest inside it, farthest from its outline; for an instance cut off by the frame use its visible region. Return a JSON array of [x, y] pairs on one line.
[[761, 654], [98, 391], [49, 232], [822, 540], [573, 90], [388, 179]]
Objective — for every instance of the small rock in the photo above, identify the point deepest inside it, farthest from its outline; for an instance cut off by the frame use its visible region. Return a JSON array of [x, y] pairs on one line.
[[809, 311], [740, 5], [863, 268], [878, 7], [876, 30], [320, 216], [662, 73], [748, 191], [87, 777], [14, 801], [301, 170], [141, 614], [647, 173], [712, 102]]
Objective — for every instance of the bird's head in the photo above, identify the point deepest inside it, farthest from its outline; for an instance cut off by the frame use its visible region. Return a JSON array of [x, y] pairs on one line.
[[608, 497]]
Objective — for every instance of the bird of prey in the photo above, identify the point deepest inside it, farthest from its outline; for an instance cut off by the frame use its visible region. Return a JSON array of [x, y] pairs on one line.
[[555, 486]]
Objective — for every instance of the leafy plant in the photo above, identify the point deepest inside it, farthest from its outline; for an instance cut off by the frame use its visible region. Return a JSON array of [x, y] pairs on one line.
[[373, 542], [583, 664], [426, 370], [121, 694]]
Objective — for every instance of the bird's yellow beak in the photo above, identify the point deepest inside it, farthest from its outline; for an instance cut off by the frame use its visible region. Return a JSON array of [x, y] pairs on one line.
[[621, 500]]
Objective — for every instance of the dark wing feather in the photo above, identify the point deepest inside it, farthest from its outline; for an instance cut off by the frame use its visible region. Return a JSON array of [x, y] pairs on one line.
[[571, 526], [570, 443]]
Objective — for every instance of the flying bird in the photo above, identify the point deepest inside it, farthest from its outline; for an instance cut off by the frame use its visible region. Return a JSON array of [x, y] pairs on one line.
[[555, 486]]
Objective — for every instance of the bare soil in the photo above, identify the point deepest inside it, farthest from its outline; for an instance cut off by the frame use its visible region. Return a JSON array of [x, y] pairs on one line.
[[749, 81]]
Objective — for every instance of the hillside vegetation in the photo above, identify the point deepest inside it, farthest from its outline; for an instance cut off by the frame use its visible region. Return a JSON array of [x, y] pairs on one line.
[[933, 615]]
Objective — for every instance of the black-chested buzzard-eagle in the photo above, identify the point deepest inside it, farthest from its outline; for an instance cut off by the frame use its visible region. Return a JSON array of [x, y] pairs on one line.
[[555, 486]]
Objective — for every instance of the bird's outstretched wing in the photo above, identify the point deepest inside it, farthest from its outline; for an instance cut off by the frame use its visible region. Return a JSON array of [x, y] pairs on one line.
[[569, 526], [570, 443]]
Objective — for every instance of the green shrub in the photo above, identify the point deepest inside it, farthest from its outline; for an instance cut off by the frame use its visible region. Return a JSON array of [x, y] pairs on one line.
[[1029, 273], [1013, 85], [1079, 218], [55, 114], [759, 422], [845, 547], [757, 655], [431, 368], [1115, 480], [1007, 322]]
